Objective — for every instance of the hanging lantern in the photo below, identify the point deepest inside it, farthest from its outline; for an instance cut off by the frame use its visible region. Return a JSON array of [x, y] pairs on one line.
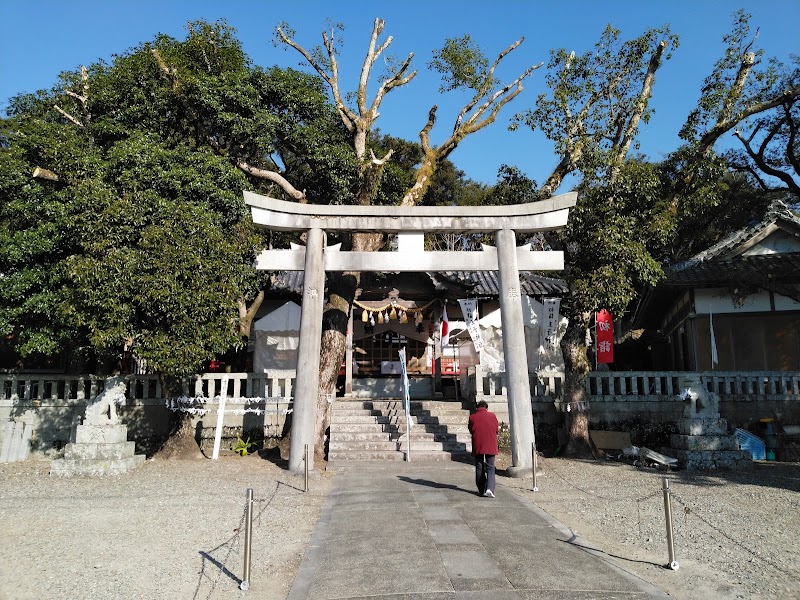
[[393, 313], [364, 316], [403, 317]]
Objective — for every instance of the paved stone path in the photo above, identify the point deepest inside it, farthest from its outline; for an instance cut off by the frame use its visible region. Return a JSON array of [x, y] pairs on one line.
[[420, 532]]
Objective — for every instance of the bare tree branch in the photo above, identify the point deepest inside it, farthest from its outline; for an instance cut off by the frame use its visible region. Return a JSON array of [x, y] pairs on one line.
[[761, 162], [83, 99], [486, 85], [621, 150], [41, 173], [492, 106], [274, 177], [67, 115], [247, 314], [724, 125], [424, 134], [793, 159]]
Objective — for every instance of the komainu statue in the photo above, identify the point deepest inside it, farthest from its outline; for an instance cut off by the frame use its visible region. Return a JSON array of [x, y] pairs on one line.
[[102, 410]]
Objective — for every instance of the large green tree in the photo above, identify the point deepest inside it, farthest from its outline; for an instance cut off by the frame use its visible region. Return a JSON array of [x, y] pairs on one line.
[[121, 195], [627, 210]]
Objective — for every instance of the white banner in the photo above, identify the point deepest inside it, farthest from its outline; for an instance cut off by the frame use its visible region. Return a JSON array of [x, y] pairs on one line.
[[469, 308], [549, 328], [714, 353]]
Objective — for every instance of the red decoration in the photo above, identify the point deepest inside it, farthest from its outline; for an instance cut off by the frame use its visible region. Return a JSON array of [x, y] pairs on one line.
[[604, 336]]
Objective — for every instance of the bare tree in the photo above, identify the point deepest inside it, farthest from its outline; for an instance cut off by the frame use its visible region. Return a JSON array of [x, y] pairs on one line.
[[462, 68]]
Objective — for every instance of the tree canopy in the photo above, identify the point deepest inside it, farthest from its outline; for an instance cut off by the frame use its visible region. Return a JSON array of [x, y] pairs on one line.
[[133, 231]]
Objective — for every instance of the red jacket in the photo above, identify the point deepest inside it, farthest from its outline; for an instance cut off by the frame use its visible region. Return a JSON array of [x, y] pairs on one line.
[[483, 426]]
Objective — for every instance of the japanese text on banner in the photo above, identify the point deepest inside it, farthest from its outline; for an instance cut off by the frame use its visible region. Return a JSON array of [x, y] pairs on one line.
[[469, 308], [604, 336], [549, 328]]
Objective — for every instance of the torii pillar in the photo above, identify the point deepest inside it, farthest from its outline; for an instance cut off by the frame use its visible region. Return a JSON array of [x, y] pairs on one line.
[[507, 258], [304, 414]]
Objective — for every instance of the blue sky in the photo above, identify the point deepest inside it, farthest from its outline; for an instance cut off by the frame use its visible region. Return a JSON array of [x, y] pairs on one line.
[[41, 38]]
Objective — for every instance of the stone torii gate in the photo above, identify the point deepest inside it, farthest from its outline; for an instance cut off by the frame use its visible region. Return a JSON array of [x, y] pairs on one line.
[[411, 223]]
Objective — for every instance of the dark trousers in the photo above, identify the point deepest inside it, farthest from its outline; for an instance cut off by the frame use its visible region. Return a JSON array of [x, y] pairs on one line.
[[484, 472]]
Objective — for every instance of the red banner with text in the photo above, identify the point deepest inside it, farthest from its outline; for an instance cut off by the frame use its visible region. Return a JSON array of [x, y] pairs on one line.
[[604, 336]]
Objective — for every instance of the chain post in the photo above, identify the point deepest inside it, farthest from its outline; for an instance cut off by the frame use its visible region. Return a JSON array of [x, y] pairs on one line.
[[673, 564], [248, 540], [534, 466], [305, 460]]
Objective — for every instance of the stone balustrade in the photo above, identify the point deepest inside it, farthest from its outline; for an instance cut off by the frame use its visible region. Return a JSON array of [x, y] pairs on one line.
[[51, 403], [616, 396]]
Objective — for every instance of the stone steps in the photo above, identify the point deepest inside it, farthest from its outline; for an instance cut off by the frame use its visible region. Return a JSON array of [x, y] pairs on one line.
[[376, 430], [416, 436], [67, 467]]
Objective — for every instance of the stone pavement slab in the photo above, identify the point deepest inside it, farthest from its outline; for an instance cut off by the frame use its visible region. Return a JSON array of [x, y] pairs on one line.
[[406, 531]]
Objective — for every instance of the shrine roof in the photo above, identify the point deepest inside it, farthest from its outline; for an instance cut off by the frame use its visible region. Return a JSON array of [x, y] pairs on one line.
[[479, 283]]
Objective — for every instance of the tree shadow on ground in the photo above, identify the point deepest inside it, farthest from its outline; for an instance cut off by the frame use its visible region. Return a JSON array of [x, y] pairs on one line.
[[273, 455]]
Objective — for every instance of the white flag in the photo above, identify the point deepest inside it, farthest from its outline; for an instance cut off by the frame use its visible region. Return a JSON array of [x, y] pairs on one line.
[[714, 355]]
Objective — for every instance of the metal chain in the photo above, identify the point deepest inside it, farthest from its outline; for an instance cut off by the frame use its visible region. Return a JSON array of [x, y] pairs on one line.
[[638, 507], [232, 542], [608, 498], [687, 511], [266, 502]]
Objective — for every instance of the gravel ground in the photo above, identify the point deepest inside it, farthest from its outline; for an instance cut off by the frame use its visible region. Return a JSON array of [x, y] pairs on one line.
[[171, 528], [736, 533]]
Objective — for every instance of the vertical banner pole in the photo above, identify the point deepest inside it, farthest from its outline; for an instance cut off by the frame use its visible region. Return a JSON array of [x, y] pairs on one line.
[[220, 417]]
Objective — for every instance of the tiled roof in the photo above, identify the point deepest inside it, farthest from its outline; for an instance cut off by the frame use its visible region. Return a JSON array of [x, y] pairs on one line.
[[778, 211], [480, 283], [717, 273], [487, 283]]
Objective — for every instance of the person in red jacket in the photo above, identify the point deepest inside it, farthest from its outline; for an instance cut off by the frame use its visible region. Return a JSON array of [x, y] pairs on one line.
[[483, 426]]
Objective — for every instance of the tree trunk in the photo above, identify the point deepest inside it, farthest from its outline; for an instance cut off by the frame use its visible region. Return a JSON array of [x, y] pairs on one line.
[[180, 442], [341, 293], [246, 316], [576, 368]]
